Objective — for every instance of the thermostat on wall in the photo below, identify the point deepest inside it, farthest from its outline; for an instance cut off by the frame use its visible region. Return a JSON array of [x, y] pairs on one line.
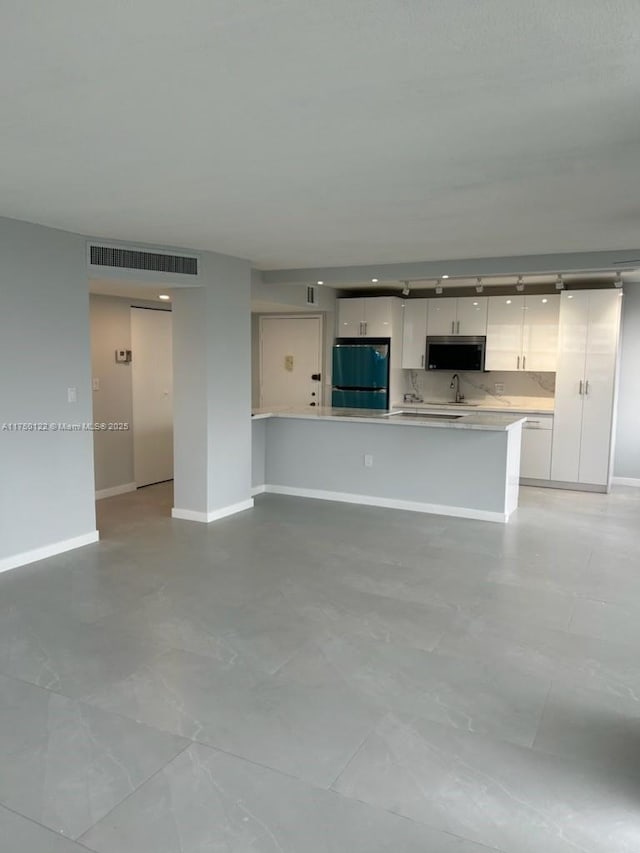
[[123, 356]]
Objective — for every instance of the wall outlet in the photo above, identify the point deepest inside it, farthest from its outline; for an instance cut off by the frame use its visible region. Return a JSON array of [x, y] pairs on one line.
[[499, 386], [72, 395], [368, 460]]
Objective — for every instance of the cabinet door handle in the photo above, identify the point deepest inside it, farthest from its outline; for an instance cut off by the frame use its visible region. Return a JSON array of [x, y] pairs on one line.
[[524, 361], [453, 326], [361, 328], [365, 327], [586, 388], [458, 327], [518, 367], [580, 388], [421, 361]]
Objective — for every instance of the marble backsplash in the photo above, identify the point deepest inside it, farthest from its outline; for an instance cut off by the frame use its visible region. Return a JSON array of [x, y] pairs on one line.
[[502, 388]]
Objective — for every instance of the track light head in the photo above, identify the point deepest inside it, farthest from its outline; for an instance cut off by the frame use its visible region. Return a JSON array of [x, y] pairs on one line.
[[438, 287], [406, 290], [618, 281], [559, 283], [520, 284], [479, 285]]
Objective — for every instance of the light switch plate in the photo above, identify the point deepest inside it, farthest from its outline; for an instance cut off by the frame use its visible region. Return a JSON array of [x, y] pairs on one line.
[[72, 395], [95, 383]]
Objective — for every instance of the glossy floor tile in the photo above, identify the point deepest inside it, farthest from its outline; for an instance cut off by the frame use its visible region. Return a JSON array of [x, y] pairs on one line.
[[309, 677], [66, 764], [206, 800]]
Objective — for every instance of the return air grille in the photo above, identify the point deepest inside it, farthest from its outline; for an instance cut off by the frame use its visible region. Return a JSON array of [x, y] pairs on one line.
[[134, 259]]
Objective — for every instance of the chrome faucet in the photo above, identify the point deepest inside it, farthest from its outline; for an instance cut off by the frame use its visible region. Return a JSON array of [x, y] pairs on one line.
[[455, 383]]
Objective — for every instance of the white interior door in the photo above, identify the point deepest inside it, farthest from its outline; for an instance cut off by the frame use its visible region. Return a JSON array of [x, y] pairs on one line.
[[152, 387], [290, 356]]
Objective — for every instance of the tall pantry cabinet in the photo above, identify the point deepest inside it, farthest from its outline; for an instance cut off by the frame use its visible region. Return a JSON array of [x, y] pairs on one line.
[[585, 387]]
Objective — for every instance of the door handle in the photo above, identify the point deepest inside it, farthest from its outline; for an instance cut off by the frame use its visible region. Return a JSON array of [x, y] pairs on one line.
[[316, 377], [580, 388], [312, 404], [518, 367]]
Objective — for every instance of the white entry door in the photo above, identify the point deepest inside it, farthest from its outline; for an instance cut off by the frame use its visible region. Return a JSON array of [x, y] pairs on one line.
[[290, 357], [152, 386]]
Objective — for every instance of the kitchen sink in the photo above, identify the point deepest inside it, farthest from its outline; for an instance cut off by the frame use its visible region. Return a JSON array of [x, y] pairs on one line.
[[423, 416], [450, 403]]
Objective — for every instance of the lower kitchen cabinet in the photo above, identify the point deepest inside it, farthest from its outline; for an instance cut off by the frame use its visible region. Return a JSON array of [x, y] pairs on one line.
[[535, 458]]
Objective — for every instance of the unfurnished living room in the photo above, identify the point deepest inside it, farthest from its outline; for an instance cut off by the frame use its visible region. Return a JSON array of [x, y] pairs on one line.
[[319, 427]]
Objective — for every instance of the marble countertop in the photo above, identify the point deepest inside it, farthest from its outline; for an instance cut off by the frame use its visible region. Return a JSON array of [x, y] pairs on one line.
[[470, 419], [530, 406]]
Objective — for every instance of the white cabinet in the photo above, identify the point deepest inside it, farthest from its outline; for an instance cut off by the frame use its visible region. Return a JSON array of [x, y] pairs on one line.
[[535, 458], [371, 317], [442, 316], [585, 386], [471, 317], [522, 332], [350, 318], [463, 316], [414, 333]]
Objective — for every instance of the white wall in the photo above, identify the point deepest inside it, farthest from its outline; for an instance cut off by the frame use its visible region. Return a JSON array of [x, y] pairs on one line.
[[212, 391], [290, 299], [627, 452], [46, 477]]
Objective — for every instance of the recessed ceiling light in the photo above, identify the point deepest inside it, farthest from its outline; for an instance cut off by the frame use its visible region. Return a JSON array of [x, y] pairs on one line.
[[445, 276], [320, 282], [164, 296], [374, 280], [570, 296], [508, 302], [545, 300], [475, 303]]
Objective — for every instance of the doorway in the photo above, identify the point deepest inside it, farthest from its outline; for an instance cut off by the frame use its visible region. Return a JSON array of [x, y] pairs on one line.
[[290, 360]]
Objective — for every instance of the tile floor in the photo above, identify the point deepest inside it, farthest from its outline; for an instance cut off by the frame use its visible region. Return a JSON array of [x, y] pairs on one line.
[[309, 677]]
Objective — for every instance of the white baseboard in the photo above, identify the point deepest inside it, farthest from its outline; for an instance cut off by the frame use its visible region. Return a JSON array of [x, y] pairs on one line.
[[214, 515], [626, 481], [27, 557], [390, 503], [115, 490], [258, 490]]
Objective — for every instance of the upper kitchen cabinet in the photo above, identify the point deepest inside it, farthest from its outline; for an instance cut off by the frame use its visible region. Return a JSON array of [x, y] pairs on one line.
[[414, 333], [350, 318], [522, 332], [462, 316], [585, 387], [371, 317], [540, 332]]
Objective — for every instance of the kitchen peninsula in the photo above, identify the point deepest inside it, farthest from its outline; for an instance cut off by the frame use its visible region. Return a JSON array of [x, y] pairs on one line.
[[454, 463]]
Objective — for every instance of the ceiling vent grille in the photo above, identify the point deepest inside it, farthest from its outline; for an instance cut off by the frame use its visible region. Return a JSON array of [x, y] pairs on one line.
[[136, 259], [311, 295]]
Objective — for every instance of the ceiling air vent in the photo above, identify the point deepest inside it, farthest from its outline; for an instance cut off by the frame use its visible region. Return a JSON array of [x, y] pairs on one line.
[[311, 295], [136, 259]]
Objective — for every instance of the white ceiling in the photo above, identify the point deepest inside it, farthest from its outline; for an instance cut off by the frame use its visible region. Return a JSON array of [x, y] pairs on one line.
[[299, 133]]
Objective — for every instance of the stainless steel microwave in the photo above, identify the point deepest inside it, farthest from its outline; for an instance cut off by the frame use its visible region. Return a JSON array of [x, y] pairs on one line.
[[456, 352]]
